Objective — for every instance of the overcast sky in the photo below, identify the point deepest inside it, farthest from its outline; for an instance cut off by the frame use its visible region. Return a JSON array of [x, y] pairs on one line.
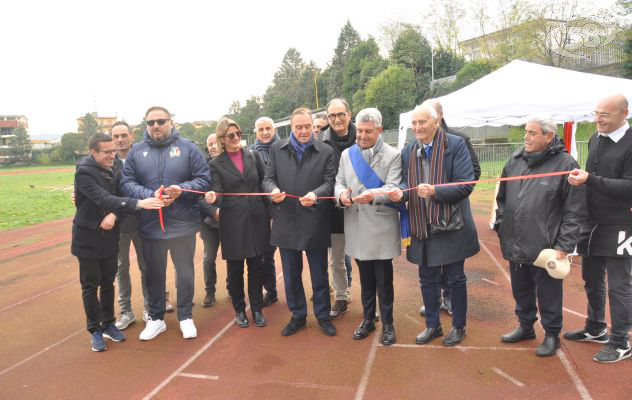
[[59, 59]]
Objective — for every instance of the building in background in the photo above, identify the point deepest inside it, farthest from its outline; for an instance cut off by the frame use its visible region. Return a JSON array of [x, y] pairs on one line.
[[105, 123]]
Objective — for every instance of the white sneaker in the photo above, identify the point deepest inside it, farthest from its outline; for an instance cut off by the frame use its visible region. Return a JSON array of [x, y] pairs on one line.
[[153, 329], [188, 329], [125, 320], [145, 316]]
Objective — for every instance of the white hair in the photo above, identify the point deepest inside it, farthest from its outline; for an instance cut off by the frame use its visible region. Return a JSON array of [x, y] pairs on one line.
[[428, 109], [264, 119], [370, 115], [545, 122]]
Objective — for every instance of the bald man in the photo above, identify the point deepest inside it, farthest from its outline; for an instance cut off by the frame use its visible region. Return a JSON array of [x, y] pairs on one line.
[[606, 240]]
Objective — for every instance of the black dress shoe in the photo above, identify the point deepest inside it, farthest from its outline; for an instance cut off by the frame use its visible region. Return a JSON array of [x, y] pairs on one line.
[[293, 326], [518, 335], [455, 337], [549, 346], [259, 319], [209, 300], [363, 329], [268, 299], [428, 334], [241, 320], [388, 335], [327, 327]]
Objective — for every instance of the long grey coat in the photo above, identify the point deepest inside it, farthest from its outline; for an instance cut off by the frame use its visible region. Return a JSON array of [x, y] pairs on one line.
[[371, 230]]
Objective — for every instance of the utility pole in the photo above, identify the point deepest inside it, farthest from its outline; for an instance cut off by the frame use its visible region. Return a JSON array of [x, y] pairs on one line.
[[316, 88]]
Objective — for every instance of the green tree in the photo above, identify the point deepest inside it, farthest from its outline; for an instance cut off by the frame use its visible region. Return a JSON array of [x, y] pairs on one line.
[[627, 51], [21, 150], [348, 39], [446, 63], [392, 92], [413, 51], [88, 127], [188, 131], [288, 89], [473, 71], [247, 115], [363, 63], [139, 131], [72, 146]]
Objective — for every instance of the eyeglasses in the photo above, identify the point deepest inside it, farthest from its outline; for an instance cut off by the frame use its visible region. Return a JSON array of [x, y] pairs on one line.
[[340, 115], [160, 122], [232, 135], [108, 152]]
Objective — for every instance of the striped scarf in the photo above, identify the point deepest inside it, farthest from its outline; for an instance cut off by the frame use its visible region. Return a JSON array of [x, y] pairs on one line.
[[423, 212]]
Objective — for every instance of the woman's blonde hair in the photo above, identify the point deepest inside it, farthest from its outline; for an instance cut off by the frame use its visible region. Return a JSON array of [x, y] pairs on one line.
[[221, 129]]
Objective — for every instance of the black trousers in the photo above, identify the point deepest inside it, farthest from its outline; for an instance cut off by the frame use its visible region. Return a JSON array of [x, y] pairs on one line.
[[255, 283], [210, 240], [292, 262], [376, 278], [429, 278], [619, 273], [269, 273], [529, 283], [97, 289]]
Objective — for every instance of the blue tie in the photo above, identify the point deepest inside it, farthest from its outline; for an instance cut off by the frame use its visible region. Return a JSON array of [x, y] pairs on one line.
[[428, 152]]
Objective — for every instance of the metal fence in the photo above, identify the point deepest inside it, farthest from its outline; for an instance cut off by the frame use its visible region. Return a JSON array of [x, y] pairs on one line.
[[494, 156]]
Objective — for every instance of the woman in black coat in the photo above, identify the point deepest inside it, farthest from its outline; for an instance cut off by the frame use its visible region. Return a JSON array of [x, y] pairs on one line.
[[244, 225], [95, 235]]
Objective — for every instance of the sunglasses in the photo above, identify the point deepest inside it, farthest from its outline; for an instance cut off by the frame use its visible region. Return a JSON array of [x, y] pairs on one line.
[[160, 122], [233, 135]]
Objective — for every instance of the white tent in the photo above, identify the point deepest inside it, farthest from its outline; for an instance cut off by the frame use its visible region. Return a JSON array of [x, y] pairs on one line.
[[510, 94]]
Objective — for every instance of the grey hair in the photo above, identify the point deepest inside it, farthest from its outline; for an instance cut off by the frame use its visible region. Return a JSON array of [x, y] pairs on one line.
[[370, 115], [321, 115], [343, 101], [545, 122], [264, 119], [428, 109]]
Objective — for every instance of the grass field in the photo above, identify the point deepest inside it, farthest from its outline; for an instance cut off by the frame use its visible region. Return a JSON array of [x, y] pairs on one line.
[[33, 198]]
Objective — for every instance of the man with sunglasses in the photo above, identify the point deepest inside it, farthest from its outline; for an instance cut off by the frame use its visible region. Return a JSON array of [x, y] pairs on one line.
[[161, 166], [606, 239], [340, 134]]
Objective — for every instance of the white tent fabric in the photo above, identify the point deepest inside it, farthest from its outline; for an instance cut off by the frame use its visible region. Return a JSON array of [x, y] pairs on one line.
[[510, 94]]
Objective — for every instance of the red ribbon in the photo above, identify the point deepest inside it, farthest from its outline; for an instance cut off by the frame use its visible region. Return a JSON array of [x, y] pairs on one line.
[[162, 219]]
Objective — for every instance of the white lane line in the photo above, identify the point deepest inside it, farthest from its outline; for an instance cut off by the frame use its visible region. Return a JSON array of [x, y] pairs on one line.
[[508, 377], [462, 348], [39, 295], [52, 346], [195, 356], [364, 382], [312, 386], [490, 281], [583, 392], [37, 265], [199, 376], [579, 385]]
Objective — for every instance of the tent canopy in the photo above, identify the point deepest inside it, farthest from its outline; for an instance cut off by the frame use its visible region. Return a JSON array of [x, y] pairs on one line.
[[510, 94]]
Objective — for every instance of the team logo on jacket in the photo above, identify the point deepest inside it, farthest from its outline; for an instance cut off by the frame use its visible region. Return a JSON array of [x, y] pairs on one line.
[[624, 244], [174, 152]]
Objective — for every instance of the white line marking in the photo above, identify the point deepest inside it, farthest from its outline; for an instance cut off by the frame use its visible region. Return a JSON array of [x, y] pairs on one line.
[[462, 348], [490, 281], [39, 295], [195, 356], [38, 264], [199, 376], [364, 382], [508, 377], [52, 346], [312, 386], [583, 392], [579, 385]]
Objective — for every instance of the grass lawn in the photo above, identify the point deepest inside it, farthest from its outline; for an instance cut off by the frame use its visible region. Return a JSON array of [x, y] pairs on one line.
[[35, 167], [33, 198]]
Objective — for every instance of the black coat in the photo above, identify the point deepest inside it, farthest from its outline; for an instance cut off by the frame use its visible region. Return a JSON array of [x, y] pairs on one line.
[[297, 227], [541, 213], [475, 163], [208, 210], [95, 198], [244, 226]]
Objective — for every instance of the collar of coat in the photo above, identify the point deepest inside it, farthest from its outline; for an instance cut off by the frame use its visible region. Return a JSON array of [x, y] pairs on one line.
[[316, 145]]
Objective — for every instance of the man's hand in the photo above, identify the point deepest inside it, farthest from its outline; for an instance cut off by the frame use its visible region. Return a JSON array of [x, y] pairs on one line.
[[108, 222], [277, 196], [426, 191], [151, 203], [210, 197], [344, 198], [73, 198], [308, 200], [395, 195], [174, 191], [560, 254], [364, 198], [166, 199], [577, 177], [216, 215]]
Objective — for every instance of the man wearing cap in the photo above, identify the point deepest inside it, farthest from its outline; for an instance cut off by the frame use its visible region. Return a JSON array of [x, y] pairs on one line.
[[606, 239], [533, 215]]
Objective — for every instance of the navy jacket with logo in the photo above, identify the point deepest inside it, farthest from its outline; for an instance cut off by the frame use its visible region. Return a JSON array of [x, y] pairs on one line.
[[172, 161]]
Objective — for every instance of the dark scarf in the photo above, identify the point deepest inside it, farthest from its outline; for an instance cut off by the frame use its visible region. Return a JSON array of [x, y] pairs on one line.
[[264, 148], [422, 213], [340, 143], [299, 147]]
